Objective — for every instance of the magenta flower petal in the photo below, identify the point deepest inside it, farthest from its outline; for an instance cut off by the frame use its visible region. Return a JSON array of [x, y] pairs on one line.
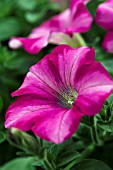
[[92, 75], [74, 59], [103, 15], [79, 17], [109, 0], [91, 101], [94, 85], [104, 19], [76, 1], [58, 91], [45, 117], [108, 42], [31, 45], [75, 19], [54, 71], [59, 126], [58, 23], [19, 113], [68, 21]]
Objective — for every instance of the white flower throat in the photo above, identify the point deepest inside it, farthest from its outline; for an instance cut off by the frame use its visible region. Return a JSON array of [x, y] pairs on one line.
[[67, 98]]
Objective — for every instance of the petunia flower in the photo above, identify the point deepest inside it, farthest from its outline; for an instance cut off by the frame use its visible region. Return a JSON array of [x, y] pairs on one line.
[[64, 86], [75, 19], [104, 19]]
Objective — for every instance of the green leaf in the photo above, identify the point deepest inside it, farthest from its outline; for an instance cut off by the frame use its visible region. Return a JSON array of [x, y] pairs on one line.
[[32, 17], [27, 4], [91, 165], [67, 157], [2, 137], [19, 163], [110, 98], [107, 126], [13, 61], [9, 27], [65, 152], [6, 7], [1, 103], [108, 64]]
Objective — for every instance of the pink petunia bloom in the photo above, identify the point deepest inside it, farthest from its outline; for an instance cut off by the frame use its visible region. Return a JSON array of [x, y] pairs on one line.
[[75, 19], [104, 18], [64, 86]]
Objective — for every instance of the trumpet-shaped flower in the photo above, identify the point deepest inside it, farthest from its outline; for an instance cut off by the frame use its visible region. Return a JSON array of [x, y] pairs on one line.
[[64, 86], [104, 19], [75, 19]]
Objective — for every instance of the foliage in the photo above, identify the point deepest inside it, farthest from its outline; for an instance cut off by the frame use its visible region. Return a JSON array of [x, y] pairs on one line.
[[18, 18]]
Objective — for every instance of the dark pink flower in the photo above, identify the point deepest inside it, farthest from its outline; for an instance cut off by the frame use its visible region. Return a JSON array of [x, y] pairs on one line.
[[104, 19], [64, 86], [75, 19], [108, 42]]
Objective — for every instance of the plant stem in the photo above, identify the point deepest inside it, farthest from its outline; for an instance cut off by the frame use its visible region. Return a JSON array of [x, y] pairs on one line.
[[94, 132], [41, 142], [79, 40], [75, 41], [47, 165]]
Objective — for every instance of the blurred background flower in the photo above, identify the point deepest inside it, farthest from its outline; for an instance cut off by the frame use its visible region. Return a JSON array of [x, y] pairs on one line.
[[104, 19], [75, 19]]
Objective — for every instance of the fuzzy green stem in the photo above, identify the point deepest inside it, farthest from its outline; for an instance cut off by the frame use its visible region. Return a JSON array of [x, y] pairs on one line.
[[41, 142], [78, 38], [94, 136], [47, 164], [94, 132], [75, 41]]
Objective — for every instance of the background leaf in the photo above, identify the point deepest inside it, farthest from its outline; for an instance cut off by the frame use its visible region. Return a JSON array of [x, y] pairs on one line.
[[9, 27], [2, 137], [107, 126], [1, 103], [91, 165], [19, 163]]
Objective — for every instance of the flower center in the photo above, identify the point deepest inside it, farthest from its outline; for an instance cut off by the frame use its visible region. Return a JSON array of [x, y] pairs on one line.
[[67, 98]]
